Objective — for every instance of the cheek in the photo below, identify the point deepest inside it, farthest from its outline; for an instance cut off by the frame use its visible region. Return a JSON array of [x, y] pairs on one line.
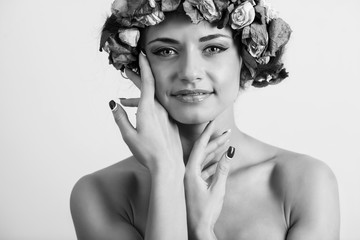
[[158, 74], [229, 85], [162, 84]]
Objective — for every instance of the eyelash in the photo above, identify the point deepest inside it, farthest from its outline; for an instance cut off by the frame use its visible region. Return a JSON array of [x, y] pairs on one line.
[[160, 51]]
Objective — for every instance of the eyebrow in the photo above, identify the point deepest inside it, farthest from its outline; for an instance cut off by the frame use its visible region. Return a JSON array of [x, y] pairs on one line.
[[202, 39]]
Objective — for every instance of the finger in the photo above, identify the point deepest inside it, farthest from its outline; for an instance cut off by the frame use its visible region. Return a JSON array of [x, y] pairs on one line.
[[211, 157], [130, 102], [222, 171], [216, 146], [209, 171], [147, 80], [121, 118], [218, 141], [197, 154], [135, 78]]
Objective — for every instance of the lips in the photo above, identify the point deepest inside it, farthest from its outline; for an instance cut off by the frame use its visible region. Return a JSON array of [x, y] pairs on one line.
[[192, 96], [192, 92]]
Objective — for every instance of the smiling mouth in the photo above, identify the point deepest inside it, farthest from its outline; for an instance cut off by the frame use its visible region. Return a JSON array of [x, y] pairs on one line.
[[192, 97], [191, 94]]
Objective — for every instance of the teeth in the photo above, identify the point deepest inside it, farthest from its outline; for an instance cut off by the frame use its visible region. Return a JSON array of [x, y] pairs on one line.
[[193, 94]]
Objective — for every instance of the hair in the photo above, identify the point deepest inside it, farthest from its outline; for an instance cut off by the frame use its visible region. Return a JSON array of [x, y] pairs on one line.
[[270, 73]]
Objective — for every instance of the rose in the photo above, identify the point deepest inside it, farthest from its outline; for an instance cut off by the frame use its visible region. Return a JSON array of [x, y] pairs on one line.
[[243, 15], [153, 18], [207, 9], [129, 36]]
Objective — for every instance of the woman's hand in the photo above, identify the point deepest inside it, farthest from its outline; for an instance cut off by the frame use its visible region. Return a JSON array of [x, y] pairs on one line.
[[205, 188], [155, 142]]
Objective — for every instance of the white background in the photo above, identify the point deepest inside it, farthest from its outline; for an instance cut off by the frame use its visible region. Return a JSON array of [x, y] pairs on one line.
[[55, 124]]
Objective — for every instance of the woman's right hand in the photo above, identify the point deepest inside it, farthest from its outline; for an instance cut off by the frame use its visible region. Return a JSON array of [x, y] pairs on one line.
[[155, 142], [205, 187]]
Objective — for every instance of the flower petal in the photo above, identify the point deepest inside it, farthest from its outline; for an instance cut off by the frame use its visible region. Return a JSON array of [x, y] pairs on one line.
[[151, 19], [169, 5], [255, 37], [130, 36], [192, 12], [242, 16], [119, 7], [279, 34]]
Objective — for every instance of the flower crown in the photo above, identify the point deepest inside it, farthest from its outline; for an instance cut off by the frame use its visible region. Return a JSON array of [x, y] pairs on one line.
[[262, 33]]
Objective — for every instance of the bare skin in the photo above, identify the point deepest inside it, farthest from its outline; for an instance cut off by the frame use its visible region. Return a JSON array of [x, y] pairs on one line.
[[269, 193], [257, 204]]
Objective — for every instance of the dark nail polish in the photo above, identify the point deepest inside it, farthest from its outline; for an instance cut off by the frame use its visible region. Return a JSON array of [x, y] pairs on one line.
[[230, 152], [229, 130], [112, 105]]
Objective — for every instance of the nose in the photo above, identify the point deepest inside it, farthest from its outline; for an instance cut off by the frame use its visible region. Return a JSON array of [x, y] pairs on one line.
[[191, 67]]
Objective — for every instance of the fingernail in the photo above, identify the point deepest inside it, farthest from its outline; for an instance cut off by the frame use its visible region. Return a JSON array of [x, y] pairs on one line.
[[227, 131], [112, 105], [230, 152], [141, 51]]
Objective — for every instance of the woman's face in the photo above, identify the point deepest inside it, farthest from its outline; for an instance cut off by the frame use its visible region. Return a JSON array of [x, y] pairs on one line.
[[196, 57]]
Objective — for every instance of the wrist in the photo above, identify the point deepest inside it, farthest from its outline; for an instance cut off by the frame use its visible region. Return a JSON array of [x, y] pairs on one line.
[[203, 232], [166, 175], [168, 170]]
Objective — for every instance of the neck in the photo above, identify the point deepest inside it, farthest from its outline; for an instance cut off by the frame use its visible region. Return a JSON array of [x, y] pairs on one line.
[[189, 133]]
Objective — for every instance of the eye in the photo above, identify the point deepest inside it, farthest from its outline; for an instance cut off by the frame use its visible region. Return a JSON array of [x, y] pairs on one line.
[[214, 50], [165, 52]]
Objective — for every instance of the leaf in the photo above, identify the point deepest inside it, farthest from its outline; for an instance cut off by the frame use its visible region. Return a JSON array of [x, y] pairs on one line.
[[279, 34], [104, 37]]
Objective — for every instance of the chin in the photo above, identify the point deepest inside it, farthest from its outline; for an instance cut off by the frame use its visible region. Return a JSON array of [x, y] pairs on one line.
[[190, 118]]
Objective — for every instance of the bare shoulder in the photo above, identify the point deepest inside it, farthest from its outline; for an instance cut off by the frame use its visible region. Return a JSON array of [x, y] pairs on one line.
[[300, 171], [99, 201], [311, 199], [117, 176]]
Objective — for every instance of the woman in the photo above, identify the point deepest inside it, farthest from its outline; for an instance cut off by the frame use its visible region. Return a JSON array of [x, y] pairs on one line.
[[193, 173]]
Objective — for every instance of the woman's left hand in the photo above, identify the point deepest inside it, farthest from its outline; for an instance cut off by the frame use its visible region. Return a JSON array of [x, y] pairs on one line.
[[204, 200]]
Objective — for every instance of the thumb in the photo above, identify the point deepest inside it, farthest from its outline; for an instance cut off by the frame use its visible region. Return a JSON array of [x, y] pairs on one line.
[[222, 171], [121, 118]]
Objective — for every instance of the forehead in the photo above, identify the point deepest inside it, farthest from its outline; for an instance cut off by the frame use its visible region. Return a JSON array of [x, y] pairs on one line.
[[180, 27]]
